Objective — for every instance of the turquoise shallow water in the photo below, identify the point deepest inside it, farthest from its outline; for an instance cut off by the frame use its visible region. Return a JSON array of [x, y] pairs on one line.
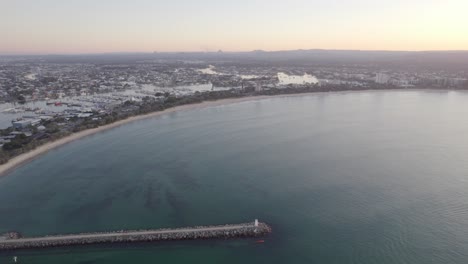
[[358, 177]]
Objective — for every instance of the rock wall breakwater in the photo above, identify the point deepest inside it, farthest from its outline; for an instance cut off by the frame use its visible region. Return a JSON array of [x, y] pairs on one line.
[[254, 229]]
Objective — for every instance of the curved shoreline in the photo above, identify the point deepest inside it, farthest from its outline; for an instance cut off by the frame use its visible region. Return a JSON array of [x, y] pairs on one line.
[[24, 158]]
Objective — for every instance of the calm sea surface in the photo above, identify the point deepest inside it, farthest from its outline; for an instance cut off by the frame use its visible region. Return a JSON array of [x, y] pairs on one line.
[[358, 177]]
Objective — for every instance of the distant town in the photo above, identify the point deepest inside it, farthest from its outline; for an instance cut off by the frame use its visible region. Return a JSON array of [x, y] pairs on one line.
[[43, 99]]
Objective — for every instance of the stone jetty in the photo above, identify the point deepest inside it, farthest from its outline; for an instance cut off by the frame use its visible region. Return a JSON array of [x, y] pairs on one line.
[[13, 240]]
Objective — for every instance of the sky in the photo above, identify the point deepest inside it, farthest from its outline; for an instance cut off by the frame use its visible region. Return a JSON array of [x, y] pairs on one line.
[[101, 26]]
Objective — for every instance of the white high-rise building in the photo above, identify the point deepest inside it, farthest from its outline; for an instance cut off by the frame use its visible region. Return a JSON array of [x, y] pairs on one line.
[[382, 78]]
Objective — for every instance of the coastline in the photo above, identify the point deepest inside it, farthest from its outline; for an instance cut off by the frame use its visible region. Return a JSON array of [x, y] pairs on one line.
[[24, 158]]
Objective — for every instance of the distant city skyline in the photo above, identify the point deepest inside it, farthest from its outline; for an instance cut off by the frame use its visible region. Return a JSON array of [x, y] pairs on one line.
[[104, 26]]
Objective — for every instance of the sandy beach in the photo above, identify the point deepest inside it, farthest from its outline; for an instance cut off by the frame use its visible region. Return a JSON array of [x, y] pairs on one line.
[[31, 155]]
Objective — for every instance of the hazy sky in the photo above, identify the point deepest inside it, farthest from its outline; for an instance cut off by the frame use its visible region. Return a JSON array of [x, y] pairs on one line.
[[88, 26]]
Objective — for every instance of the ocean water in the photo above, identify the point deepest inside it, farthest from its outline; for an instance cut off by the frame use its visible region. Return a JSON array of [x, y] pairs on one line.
[[352, 177]]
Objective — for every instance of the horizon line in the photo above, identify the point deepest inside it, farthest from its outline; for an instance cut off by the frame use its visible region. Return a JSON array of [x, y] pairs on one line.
[[219, 51]]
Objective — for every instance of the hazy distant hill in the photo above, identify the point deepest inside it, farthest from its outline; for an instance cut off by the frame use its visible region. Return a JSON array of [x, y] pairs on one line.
[[429, 59]]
